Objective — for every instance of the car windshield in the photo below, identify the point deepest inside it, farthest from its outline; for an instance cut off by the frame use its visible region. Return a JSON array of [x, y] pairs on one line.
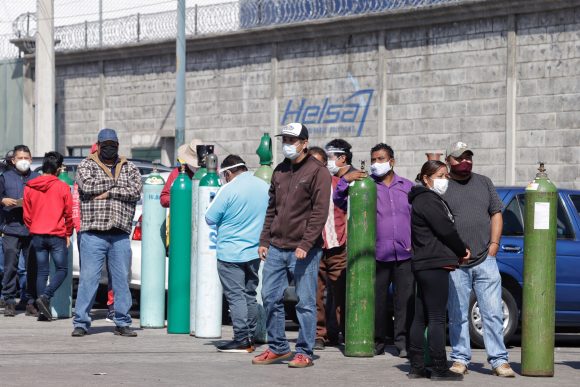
[[576, 200]]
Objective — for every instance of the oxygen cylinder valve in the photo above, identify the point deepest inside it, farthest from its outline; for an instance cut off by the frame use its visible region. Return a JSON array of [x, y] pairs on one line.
[[264, 150], [211, 161], [541, 170]]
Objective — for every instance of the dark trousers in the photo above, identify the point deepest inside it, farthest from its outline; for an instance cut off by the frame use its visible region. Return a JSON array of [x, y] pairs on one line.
[[12, 246], [430, 310], [46, 247], [401, 276], [332, 272]]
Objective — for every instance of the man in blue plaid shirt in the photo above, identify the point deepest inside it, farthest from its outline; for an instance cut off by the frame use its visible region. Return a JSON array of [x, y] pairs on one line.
[[109, 188]]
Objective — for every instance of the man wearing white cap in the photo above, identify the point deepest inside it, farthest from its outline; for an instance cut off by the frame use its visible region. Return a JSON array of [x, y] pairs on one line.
[[476, 207]]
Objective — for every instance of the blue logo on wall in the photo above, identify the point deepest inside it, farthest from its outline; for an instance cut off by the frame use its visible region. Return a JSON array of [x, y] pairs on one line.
[[344, 118]]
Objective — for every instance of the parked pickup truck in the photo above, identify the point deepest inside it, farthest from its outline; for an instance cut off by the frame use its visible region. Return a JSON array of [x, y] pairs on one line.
[[510, 259]]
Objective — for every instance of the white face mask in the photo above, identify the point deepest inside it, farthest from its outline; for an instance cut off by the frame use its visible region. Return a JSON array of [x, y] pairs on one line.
[[23, 165], [290, 151], [331, 165], [380, 169], [440, 186]]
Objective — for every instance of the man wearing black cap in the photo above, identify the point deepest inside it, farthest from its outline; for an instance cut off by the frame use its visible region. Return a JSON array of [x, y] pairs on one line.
[[291, 242], [109, 188]]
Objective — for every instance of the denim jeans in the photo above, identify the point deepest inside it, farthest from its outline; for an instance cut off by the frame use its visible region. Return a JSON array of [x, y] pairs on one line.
[[486, 282], [45, 247], [16, 249], [279, 263], [96, 247], [239, 281]]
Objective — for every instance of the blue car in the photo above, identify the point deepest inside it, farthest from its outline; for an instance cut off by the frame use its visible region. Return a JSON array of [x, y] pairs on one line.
[[510, 259]]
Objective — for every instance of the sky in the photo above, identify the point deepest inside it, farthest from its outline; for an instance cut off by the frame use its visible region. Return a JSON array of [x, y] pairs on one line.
[[77, 11]]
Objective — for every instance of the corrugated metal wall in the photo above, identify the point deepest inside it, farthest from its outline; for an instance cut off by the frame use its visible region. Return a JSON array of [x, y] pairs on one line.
[[11, 100]]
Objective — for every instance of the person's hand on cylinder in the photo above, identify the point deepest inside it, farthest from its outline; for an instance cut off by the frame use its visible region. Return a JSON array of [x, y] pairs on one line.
[[354, 175]]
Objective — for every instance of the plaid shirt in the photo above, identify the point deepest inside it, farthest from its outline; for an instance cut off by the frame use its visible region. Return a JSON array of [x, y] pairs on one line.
[[124, 188]]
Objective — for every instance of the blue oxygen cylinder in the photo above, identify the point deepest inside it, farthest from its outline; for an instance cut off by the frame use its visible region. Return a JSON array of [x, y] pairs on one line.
[[152, 303], [202, 152], [208, 311], [61, 301]]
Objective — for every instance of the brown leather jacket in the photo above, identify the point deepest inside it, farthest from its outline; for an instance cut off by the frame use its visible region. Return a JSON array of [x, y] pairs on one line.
[[298, 205]]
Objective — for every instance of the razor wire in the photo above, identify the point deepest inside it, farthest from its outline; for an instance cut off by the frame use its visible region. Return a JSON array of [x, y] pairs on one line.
[[200, 20]]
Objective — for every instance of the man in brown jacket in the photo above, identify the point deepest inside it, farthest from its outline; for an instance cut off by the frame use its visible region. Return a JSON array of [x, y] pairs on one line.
[[291, 242]]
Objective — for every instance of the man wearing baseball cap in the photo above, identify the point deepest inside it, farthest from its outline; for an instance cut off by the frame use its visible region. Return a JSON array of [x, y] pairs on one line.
[[474, 202], [109, 188], [291, 242]]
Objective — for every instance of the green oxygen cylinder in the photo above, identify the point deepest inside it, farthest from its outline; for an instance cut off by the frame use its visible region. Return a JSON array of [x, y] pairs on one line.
[[360, 268], [208, 306], [265, 171], [179, 255], [61, 302], [539, 293], [264, 152], [202, 152]]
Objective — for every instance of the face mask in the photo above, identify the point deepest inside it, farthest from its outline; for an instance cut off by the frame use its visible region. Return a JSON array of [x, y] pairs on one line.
[[109, 152], [331, 165], [462, 169], [440, 186], [23, 165], [380, 169], [290, 151]]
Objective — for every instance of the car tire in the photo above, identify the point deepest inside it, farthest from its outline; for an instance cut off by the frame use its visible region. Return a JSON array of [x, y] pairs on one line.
[[511, 319]]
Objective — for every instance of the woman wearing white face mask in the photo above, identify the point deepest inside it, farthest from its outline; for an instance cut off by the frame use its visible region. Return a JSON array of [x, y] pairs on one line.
[[437, 249]]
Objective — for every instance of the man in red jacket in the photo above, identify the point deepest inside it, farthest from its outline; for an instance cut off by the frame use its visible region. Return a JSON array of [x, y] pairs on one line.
[[48, 215]]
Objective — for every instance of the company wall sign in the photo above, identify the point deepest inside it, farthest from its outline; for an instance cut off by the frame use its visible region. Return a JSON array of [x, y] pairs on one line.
[[331, 115]]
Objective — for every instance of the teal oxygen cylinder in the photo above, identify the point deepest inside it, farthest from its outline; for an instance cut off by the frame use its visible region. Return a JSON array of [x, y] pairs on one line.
[[61, 302], [208, 311], [202, 152], [179, 255], [265, 172], [152, 303]]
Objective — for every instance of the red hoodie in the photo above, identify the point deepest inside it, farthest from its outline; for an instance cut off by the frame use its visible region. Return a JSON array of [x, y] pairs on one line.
[[48, 206]]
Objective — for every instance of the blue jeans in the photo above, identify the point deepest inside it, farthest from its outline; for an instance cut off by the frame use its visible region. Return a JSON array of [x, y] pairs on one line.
[[279, 263], [95, 248], [46, 246], [239, 281], [486, 282], [16, 252]]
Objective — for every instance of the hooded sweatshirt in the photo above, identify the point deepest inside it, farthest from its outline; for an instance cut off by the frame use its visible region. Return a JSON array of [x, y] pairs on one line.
[[48, 207], [436, 243]]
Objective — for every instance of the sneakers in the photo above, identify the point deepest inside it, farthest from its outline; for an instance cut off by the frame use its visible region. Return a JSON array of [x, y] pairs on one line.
[[44, 306], [379, 348], [31, 310], [125, 331], [403, 354], [300, 361], [110, 316], [319, 345], [504, 371], [269, 357], [78, 332], [237, 346], [9, 310], [459, 368]]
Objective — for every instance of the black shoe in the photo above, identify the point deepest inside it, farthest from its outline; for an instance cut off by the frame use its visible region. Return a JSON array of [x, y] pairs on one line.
[[379, 348], [9, 310], [235, 346], [42, 317], [78, 332], [31, 311], [319, 345], [125, 331], [440, 370], [418, 370], [43, 304]]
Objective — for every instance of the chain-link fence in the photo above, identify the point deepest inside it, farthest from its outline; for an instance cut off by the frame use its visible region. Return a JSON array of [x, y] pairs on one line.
[[200, 20]]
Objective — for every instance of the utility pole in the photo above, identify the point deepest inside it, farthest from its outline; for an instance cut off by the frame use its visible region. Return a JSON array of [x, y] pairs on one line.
[[180, 77], [44, 133]]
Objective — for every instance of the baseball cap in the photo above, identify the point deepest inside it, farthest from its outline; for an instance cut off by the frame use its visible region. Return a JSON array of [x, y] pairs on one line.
[[457, 149], [107, 135], [294, 129]]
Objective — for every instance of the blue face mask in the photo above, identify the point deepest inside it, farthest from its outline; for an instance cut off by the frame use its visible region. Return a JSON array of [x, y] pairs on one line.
[[290, 151]]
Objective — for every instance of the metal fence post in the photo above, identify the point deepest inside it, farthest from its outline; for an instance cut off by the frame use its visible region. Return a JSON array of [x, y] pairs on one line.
[[195, 20], [86, 34], [28, 24], [138, 27]]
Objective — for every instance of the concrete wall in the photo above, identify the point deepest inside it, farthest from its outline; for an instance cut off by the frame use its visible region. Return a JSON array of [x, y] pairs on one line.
[[507, 84]]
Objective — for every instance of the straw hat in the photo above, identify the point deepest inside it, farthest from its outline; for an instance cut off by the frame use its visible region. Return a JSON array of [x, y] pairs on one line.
[[188, 154]]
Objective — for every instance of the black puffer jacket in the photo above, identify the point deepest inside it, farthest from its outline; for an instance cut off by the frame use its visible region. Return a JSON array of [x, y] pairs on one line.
[[436, 242]]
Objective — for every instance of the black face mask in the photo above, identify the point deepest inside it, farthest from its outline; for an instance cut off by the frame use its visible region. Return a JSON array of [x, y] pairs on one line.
[[109, 152]]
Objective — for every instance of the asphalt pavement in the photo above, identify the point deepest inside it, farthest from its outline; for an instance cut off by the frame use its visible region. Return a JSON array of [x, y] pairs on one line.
[[34, 353]]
